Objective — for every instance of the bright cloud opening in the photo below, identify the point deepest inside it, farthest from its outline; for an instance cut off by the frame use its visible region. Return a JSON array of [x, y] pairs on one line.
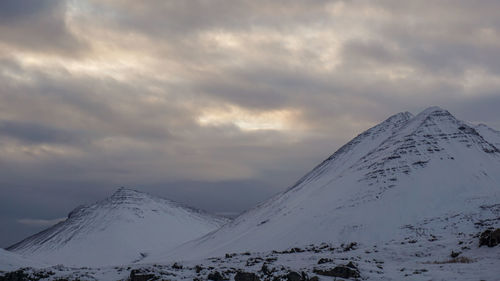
[[247, 120]]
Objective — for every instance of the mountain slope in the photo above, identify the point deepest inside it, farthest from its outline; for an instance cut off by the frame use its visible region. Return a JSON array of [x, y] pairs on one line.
[[122, 228], [12, 261], [489, 134], [407, 177]]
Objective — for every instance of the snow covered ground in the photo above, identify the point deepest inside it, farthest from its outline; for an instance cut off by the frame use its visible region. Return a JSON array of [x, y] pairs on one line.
[[11, 261], [408, 259]]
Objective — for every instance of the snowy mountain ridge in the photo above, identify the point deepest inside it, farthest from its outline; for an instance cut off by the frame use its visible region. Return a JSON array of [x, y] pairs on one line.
[[125, 227], [360, 145], [410, 176]]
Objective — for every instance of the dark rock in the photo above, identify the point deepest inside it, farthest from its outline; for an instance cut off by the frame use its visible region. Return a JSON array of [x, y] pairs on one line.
[[229, 270], [216, 276], [265, 269], [490, 238], [177, 266], [290, 251], [350, 246], [324, 260], [137, 275], [246, 276], [342, 271], [454, 254], [18, 275], [293, 276], [352, 265], [253, 261], [296, 250]]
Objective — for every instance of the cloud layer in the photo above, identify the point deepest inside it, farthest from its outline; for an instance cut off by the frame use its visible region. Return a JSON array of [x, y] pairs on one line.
[[227, 100]]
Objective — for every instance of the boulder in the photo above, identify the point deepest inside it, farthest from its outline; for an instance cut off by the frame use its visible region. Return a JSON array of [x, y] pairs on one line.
[[246, 276], [293, 276], [342, 271], [490, 238], [324, 260], [265, 269], [137, 275]]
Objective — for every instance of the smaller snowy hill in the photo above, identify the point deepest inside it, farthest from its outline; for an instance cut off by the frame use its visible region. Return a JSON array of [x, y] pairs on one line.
[[123, 228]]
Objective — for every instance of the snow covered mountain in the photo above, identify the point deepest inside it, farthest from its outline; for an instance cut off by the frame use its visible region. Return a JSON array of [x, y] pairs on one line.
[[123, 228], [423, 176]]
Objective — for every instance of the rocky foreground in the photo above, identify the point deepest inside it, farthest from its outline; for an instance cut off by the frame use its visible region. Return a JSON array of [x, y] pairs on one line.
[[465, 257]]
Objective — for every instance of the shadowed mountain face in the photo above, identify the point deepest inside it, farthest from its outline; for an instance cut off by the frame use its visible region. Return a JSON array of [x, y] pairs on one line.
[[410, 176], [120, 229]]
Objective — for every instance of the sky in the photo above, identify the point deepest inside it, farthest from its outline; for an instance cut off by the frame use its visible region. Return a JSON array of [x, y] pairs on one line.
[[217, 104]]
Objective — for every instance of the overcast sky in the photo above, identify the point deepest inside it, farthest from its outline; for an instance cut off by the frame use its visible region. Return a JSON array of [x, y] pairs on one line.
[[217, 104]]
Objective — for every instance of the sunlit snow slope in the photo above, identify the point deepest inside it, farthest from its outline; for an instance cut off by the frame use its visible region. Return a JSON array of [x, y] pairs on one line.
[[409, 176], [123, 228]]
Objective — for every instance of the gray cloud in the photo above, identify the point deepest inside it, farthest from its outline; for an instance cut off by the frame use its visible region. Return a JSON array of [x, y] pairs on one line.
[[40, 222], [175, 18], [18, 11], [37, 26], [175, 97], [35, 133]]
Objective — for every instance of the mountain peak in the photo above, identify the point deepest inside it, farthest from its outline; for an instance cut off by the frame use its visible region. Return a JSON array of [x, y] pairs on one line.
[[396, 119], [401, 116], [123, 191], [434, 121], [434, 111], [126, 196]]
